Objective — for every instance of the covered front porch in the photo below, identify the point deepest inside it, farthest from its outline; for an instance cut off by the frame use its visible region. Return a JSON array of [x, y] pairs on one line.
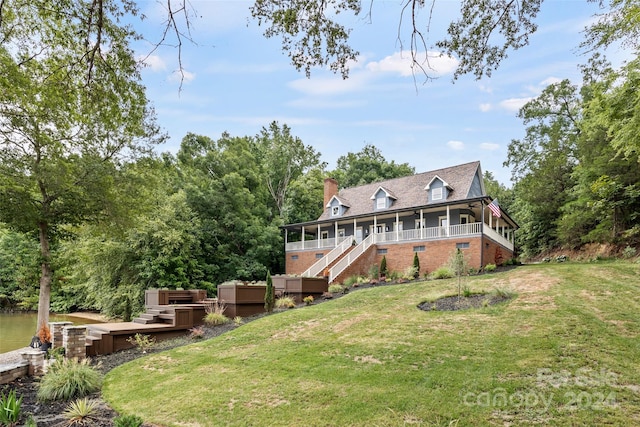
[[416, 225]]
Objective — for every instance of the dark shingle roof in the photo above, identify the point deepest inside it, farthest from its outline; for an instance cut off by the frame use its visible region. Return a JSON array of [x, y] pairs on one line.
[[409, 190]]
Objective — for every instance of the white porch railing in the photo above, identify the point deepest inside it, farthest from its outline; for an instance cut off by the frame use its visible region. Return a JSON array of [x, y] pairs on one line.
[[315, 244], [350, 258], [498, 238], [431, 233], [323, 262]]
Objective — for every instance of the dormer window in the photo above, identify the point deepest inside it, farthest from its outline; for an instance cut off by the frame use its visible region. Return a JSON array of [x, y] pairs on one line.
[[337, 207], [382, 198], [438, 189]]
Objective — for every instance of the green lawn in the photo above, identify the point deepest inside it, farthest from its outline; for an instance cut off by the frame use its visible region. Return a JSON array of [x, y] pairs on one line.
[[565, 351]]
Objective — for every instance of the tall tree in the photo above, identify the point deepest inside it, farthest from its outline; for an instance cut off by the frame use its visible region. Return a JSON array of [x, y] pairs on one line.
[[366, 166], [67, 116], [542, 163], [283, 159]]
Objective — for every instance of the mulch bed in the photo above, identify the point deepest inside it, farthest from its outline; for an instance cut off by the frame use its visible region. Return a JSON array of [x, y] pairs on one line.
[[455, 303]]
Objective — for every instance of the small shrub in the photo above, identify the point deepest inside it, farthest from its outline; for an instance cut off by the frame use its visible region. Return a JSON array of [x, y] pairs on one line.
[[503, 292], [215, 306], [285, 302], [67, 379], [349, 281], [215, 319], [10, 408], [383, 266], [308, 300], [81, 412], [410, 273], [629, 252], [442, 273], [416, 265], [269, 295], [466, 291], [335, 289], [374, 272], [142, 341], [238, 320], [490, 267], [127, 421], [197, 332], [546, 259], [562, 258]]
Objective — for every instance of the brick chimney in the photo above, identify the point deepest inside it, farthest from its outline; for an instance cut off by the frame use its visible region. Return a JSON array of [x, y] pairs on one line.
[[330, 190]]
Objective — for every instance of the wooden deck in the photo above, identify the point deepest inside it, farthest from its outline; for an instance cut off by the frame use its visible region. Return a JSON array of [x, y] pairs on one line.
[[160, 322]]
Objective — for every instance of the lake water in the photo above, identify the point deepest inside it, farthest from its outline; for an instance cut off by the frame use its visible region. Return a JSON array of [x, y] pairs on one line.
[[17, 329]]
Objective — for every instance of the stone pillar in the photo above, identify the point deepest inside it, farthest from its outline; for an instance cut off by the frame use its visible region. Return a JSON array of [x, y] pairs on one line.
[[36, 361], [74, 342], [56, 332]]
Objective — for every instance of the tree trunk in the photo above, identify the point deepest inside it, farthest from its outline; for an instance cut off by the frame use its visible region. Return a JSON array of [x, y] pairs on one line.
[[45, 275]]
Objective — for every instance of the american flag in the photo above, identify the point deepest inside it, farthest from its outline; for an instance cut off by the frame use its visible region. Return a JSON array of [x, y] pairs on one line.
[[495, 208]]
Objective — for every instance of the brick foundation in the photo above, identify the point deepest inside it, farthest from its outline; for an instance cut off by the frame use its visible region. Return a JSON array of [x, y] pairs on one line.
[[478, 251]]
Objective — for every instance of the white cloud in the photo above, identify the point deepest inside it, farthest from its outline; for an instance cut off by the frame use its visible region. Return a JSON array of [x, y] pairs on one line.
[[456, 145], [155, 62], [484, 88], [434, 64], [489, 146], [183, 76], [485, 107], [514, 104], [329, 85], [549, 81]]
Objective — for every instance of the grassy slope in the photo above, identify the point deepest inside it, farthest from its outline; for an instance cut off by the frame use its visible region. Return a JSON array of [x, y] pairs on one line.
[[566, 344]]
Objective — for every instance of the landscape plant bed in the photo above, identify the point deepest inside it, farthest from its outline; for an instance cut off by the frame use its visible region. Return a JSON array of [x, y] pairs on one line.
[[455, 303]]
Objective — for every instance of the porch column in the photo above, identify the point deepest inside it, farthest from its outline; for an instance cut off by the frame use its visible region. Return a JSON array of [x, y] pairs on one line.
[[318, 237], [286, 237], [375, 228], [397, 227], [354, 229], [335, 226], [303, 237], [422, 227], [448, 221]]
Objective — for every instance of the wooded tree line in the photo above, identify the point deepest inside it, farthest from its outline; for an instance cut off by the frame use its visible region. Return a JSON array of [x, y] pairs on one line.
[[207, 214]]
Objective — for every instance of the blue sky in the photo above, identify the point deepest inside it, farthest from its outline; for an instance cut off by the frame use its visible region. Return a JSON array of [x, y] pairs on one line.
[[238, 81]]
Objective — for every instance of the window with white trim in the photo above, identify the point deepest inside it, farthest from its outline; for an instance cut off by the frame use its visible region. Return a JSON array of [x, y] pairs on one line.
[[419, 224], [419, 248], [335, 211], [463, 245], [381, 202], [465, 219], [324, 235], [436, 193], [341, 232]]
